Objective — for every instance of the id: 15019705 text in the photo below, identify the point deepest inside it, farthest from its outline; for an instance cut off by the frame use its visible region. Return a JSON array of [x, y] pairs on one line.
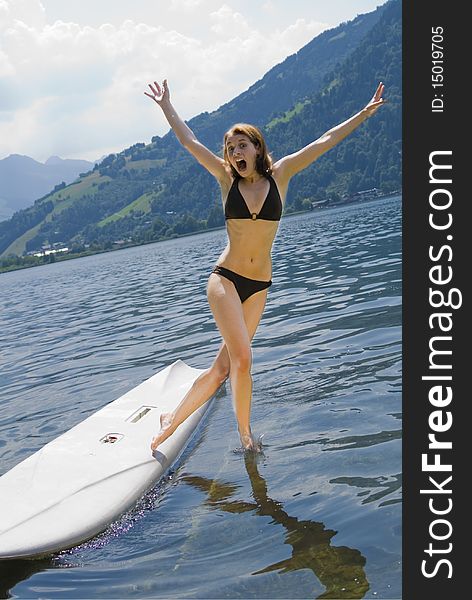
[[437, 69]]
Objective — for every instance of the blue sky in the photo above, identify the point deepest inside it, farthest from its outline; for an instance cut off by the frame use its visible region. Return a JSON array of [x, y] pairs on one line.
[[73, 72]]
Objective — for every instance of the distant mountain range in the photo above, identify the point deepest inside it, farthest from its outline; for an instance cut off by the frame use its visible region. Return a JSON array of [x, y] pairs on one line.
[[155, 191], [23, 179]]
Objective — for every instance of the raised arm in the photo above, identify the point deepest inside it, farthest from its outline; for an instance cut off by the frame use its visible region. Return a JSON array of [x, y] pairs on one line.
[[213, 163], [288, 166]]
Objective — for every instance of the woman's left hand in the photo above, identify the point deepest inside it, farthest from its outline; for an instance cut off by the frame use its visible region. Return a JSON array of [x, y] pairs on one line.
[[376, 101]]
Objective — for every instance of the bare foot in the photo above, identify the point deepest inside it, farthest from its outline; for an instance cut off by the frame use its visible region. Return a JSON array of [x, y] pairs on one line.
[[250, 444], [164, 432]]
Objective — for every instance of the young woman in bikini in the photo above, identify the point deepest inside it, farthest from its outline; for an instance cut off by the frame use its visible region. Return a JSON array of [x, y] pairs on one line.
[[253, 191]]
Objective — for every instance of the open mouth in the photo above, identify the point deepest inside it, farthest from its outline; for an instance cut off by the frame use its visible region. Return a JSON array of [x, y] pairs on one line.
[[241, 164]]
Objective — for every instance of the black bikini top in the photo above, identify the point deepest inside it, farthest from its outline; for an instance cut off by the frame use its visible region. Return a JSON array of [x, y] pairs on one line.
[[236, 207]]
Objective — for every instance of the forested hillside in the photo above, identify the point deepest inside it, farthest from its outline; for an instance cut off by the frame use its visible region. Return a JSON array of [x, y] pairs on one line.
[[154, 191], [371, 156]]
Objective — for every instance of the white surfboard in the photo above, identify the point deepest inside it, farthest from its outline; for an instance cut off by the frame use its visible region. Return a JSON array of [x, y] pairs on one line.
[[80, 482]]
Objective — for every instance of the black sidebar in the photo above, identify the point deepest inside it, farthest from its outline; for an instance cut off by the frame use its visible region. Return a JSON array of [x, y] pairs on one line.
[[436, 325]]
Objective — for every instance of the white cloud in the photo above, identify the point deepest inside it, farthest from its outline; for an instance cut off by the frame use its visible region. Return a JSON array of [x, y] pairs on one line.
[[77, 91], [6, 68], [229, 23], [186, 5], [25, 11], [301, 29]]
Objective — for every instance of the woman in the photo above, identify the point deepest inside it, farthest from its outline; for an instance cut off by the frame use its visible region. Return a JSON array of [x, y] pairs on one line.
[[253, 191]]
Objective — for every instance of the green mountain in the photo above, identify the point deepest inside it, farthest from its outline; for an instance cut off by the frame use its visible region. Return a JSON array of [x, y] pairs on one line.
[[155, 191]]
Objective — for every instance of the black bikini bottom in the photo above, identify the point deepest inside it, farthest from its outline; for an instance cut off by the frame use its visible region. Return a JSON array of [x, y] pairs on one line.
[[244, 286]]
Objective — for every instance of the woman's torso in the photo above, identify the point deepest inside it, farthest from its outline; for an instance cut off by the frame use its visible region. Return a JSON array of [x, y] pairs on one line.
[[252, 218]]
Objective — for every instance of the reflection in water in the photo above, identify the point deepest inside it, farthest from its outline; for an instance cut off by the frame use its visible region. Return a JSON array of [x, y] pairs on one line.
[[338, 568], [364, 441], [388, 486], [14, 571]]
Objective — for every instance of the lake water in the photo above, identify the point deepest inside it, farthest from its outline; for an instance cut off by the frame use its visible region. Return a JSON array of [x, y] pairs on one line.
[[319, 514]]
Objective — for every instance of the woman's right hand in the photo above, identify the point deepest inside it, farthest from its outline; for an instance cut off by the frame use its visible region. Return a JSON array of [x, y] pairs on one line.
[[159, 94]]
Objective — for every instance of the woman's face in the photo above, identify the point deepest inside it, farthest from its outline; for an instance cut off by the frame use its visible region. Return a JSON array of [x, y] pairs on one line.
[[242, 154]]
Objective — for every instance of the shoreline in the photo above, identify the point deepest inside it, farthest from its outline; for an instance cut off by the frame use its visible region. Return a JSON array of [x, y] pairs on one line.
[[72, 256]]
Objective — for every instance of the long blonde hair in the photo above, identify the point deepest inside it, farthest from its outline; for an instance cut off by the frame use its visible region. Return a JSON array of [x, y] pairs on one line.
[[263, 161]]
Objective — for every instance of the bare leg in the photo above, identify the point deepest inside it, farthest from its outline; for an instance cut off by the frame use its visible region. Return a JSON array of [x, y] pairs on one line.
[[237, 324], [208, 383], [252, 310], [201, 391]]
